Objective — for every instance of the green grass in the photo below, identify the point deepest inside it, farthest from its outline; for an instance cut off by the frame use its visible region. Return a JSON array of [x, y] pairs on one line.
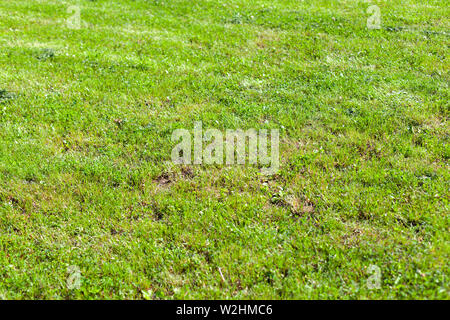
[[86, 118]]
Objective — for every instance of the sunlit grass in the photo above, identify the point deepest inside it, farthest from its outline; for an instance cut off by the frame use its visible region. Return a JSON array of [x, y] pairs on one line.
[[86, 118]]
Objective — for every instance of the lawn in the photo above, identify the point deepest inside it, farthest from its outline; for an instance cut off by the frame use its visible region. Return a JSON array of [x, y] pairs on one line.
[[91, 207]]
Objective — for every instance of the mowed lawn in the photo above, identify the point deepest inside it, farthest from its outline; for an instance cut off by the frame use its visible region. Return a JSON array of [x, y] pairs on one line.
[[358, 210]]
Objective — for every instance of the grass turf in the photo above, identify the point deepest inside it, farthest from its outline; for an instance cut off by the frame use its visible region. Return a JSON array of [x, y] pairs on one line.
[[86, 117]]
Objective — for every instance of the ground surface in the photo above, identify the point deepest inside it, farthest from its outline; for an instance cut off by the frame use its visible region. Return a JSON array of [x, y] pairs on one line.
[[86, 117]]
